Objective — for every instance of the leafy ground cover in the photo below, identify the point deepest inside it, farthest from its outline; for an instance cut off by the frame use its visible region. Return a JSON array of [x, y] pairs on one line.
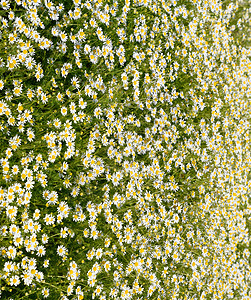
[[125, 149]]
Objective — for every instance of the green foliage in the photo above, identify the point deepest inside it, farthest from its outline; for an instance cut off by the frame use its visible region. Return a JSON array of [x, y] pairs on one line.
[[125, 150]]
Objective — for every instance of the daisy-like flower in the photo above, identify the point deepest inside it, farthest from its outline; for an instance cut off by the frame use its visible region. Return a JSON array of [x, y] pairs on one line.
[[11, 252], [45, 292], [5, 4], [40, 250], [5, 23], [65, 166], [8, 266], [63, 36], [11, 15], [30, 134], [45, 238], [75, 82], [12, 62], [64, 111], [1, 84], [86, 232], [49, 219], [67, 182], [30, 93], [61, 250], [8, 152], [63, 209], [30, 63], [64, 232], [99, 253], [44, 98], [14, 280], [11, 211], [36, 214], [29, 184]]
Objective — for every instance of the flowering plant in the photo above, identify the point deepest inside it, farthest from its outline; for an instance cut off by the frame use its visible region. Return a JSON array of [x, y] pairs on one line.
[[125, 149]]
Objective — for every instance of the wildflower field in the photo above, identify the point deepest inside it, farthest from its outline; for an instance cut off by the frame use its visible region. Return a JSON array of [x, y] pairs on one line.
[[125, 149]]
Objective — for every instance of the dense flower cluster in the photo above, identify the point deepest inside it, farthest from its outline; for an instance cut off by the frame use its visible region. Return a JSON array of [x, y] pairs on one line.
[[125, 149]]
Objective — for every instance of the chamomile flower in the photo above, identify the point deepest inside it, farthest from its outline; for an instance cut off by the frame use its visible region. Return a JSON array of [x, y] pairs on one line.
[[14, 280], [75, 82], [46, 263], [64, 111], [45, 238], [99, 253], [45, 292], [40, 250], [5, 4], [30, 134], [11, 252], [1, 84], [61, 250]]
